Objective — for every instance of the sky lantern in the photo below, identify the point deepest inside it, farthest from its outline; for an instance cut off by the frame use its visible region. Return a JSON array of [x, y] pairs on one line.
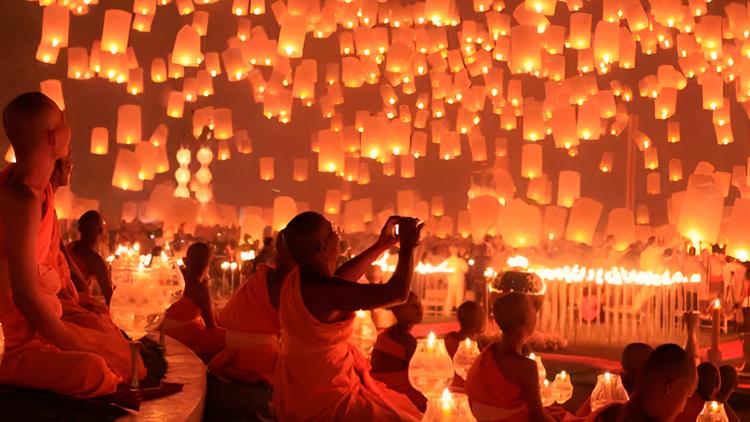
[[299, 169], [234, 64], [55, 26], [187, 47], [184, 7], [568, 188], [724, 135], [175, 104], [53, 89], [738, 242], [222, 119], [653, 183], [437, 206], [713, 90], [525, 49], [407, 166], [607, 42], [584, 217], [520, 224], [78, 63], [147, 156], [539, 190], [675, 170], [292, 36], [673, 132], [701, 220], [125, 175], [642, 214], [200, 22], [331, 155], [266, 169], [501, 146], [607, 162], [284, 209], [115, 31], [128, 124], [418, 144], [483, 214], [534, 127], [158, 70], [243, 142], [47, 54], [332, 201], [650, 159], [555, 220], [579, 35], [563, 124], [531, 160], [665, 103], [99, 141], [478, 146], [621, 226], [588, 125]]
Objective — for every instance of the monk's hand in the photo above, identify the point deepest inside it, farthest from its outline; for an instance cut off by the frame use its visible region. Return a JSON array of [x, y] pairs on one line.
[[410, 230], [388, 236]]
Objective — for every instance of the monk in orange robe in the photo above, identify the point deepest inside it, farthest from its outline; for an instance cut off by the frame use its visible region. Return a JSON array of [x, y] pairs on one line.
[[84, 253], [661, 392], [251, 318], [192, 320], [395, 347], [41, 351], [503, 384], [320, 375]]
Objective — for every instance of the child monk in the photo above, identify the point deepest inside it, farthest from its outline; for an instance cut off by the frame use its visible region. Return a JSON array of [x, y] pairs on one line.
[[503, 384], [86, 257], [191, 320], [321, 376], [667, 380], [709, 382], [41, 352], [471, 321], [394, 348], [251, 319]]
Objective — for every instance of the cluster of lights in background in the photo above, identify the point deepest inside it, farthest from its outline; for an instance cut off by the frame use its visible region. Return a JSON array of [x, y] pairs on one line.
[[437, 72]]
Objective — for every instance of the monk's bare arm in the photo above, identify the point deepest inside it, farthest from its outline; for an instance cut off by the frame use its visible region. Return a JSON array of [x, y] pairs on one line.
[[353, 269], [529, 380], [104, 279], [21, 223], [204, 303], [341, 295]]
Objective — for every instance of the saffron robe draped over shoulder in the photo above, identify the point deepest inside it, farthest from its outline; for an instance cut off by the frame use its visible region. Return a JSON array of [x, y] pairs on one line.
[[321, 376], [491, 396]]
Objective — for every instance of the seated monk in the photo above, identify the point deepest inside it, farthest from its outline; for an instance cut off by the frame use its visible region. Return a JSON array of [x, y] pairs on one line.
[[191, 320], [663, 387], [503, 384], [321, 376], [41, 351], [709, 382], [471, 323], [251, 320], [729, 383], [633, 357], [394, 348], [87, 259]]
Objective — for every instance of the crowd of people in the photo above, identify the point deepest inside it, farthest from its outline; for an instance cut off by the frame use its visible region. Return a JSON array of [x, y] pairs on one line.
[[289, 323]]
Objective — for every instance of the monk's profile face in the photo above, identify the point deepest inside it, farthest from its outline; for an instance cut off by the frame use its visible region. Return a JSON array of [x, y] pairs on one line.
[[329, 245], [59, 134], [677, 393]]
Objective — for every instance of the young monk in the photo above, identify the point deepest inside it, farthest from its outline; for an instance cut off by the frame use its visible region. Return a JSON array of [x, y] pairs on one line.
[[41, 352], [471, 323], [663, 387], [191, 320], [633, 357], [709, 382], [87, 259], [395, 347], [503, 384], [251, 319], [729, 382], [321, 376]]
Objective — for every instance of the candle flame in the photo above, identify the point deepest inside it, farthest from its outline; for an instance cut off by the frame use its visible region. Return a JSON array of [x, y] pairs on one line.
[[431, 339]]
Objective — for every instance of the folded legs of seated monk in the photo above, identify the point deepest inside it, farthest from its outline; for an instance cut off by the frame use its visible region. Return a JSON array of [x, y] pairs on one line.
[[184, 322]]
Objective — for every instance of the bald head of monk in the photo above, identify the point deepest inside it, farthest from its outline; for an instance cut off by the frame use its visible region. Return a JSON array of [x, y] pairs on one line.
[[313, 243], [666, 381], [515, 314], [633, 357], [91, 228], [36, 128]]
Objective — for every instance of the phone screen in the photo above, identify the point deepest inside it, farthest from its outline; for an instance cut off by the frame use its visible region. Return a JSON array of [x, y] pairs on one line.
[[395, 229]]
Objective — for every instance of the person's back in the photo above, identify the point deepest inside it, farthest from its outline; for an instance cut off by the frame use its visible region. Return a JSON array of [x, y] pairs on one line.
[[709, 382], [320, 375]]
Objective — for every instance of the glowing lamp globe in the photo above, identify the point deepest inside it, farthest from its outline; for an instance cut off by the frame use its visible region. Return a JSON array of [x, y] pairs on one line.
[[608, 389], [430, 368]]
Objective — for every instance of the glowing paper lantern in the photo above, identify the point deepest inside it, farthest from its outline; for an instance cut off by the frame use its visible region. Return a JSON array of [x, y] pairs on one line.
[[568, 188], [653, 183], [53, 89], [146, 153], [738, 242], [673, 132], [584, 217], [292, 36], [483, 214], [331, 153], [531, 161], [579, 36], [284, 209], [78, 63], [621, 226], [700, 218], [607, 42], [555, 220], [222, 119], [115, 31], [128, 124], [99, 141], [187, 47], [607, 162], [650, 159], [641, 214], [266, 168], [125, 175], [713, 90], [520, 224], [332, 201], [55, 25], [243, 142]]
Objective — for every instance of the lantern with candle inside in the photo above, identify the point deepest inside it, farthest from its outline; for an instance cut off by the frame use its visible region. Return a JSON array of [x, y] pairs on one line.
[[55, 25], [531, 161], [99, 141], [466, 354], [568, 188], [364, 332], [713, 411], [284, 209], [266, 168], [125, 175], [449, 407], [53, 89], [128, 124], [430, 368], [562, 388], [115, 31], [608, 389], [292, 36]]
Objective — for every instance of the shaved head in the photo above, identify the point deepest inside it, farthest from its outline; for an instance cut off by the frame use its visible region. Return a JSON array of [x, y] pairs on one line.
[[514, 311], [666, 381], [303, 234], [28, 121]]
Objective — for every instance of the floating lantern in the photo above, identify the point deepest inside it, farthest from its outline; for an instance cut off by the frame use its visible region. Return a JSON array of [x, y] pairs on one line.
[[115, 31], [222, 119], [292, 36], [607, 42], [607, 162], [713, 90], [187, 47], [642, 214], [407, 166], [701, 220], [184, 7], [555, 220], [675, 170], [158, 70], [331, 153], [200, 22], [284, 209], [99, 141], [55, 25], [483, 211], [78, 63], [568, 188], [579, 36], [584, 217], [135, 81], [653, 183], [175, 104], [266, 168], [673, 132], [520, 224], [738, 243], [125, 175], [531, 161], [650, 159], [621, 226], [243, 142], [128, 124], [478, 147], [146, 153], [525, 49], [53, 89]]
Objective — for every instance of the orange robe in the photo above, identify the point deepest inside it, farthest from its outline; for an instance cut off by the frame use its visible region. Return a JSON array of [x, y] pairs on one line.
[[253, 330], [184, 322], [30, 360], [491, 396], [397, 380], [321, 376]]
